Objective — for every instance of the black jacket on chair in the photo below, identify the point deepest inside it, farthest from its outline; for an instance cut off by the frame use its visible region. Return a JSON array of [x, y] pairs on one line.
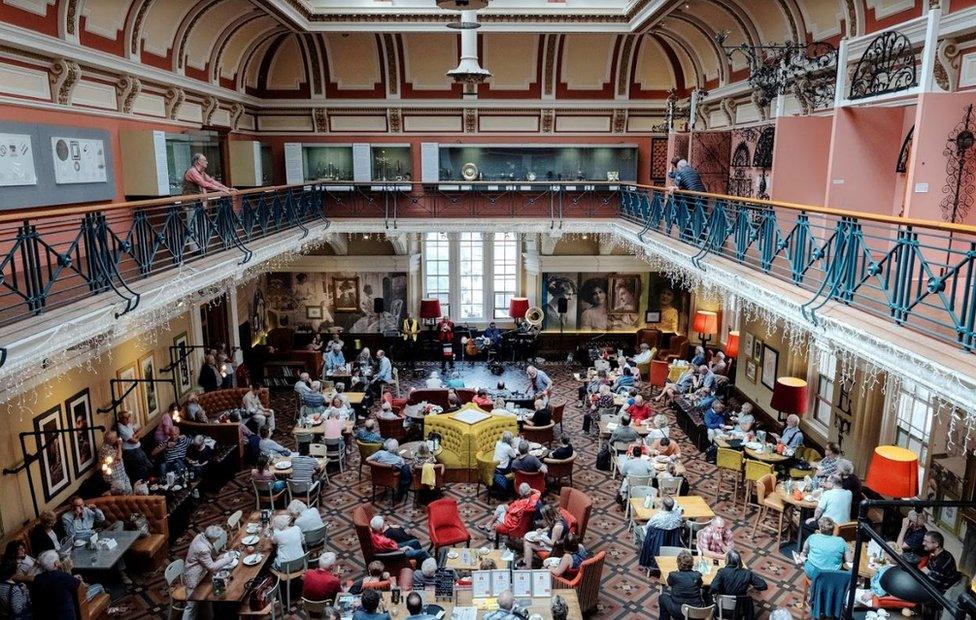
[[736, 582]]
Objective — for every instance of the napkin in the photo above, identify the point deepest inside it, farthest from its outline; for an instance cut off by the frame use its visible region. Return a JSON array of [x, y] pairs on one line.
[[427, 475]]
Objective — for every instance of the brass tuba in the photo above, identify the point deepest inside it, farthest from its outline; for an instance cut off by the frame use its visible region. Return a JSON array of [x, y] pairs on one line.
[[534, 316]]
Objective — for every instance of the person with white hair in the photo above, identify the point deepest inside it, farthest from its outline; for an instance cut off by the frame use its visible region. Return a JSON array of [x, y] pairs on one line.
[[288, 540], [306, 518], [198, 454], [644, 355], [715, 540], [333, 357], [320, 584], [200, 563], [313, 401], [368, 432], [504, 453], [389, 455], [426, 577], [744, 421], [434, 380], [382, 541], [539, 381], [506, 608], [54, 590], [304, 383], [718, 365], [197, 181], [509, 514], [792, 436]]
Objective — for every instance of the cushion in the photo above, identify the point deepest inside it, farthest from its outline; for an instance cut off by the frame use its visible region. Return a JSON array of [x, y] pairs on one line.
[[149, 546], [450, 459], [451, 532]]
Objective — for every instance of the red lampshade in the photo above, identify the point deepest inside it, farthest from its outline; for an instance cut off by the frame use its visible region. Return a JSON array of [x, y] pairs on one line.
[[705, 322], [732, 345], [790, 395], [893, 472], [430, 309], [518, 307]]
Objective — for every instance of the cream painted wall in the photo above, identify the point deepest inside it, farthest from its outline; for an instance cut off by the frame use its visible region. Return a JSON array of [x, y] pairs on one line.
[[20, 412], [791, 362]]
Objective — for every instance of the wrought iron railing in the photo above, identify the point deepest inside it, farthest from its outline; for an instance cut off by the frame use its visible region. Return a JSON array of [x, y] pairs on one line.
[[918, 274], [53, 257]]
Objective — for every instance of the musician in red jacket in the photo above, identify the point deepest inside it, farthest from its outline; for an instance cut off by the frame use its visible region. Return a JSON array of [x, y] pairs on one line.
[[445, 333]]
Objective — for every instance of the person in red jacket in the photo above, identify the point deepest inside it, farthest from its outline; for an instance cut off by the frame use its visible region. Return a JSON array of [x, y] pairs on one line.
[[321, 583], [510, 516], [639, 411], [445, 333]]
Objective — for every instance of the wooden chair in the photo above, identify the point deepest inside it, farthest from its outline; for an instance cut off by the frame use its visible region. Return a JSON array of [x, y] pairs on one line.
[[586, 582], [314, 609], [560, 468], [539, 434], [288, 572], [384, 477], [335, 450], [366, 450], [809, 455], [274, 599], [234, 521], [175, 590], [728, 461], [304, 490], [769, 500], [754, 470], [846, 530], [697, 613], [264, 491], [670, 486], [316, 538], [557, 415]]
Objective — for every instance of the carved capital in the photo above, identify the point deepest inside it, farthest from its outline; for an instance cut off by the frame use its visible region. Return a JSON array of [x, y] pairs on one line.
[[728, 106], [64, 77], [548, 120], [761, 102], [173, 101], [320, 120], [947, 65], [236, 112], [619, 122], [210, 104], [126, 90]]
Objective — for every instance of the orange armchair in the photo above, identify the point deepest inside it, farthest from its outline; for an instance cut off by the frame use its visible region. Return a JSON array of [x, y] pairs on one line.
[[392, 428], [578, 504], [539, 434], [536, 480], [558, 411], [444, 524], [586, 582]]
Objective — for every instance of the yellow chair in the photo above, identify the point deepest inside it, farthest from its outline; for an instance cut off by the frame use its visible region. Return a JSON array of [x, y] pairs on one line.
[[366, 450], [769, 500], [809, 455], [754, 471], [486, 471], [728, 460]]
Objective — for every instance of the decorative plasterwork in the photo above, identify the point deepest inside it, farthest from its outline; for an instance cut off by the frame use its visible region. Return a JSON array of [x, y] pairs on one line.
[[173, 101], [64, 77], [339, 243], [394, 120], [470, 120], [236, 112], [548, 120], [619, 122], [126, 90], [320, 120], [400, 242], [947, 58], [210, 105], [728, 106]]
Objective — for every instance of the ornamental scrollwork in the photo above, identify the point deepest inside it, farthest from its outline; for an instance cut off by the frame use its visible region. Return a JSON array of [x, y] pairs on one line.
[[887, 66]]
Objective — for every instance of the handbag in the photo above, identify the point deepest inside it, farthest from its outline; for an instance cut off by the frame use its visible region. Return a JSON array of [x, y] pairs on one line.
[[262, 588]]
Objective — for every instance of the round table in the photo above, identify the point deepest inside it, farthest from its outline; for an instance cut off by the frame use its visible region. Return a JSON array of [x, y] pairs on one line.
[[409, 449], [805, 507]]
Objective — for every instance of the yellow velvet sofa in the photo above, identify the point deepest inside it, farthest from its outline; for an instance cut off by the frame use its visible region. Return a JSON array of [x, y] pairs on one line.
[[461, 442]]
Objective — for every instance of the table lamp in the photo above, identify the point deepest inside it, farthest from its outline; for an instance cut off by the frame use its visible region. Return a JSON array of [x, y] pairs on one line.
[[430, 311], [732, 346], [517, 308], [789, 396], [706, 324], [893, 472]]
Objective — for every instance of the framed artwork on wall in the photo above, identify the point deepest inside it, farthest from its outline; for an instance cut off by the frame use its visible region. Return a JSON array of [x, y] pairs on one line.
[[757, 348], [132, 399], [770, 366], [150, 396], [184, 373], [747, 344], [78, 412], [751, 369], [53, 459], [345, 292], [313, 312]]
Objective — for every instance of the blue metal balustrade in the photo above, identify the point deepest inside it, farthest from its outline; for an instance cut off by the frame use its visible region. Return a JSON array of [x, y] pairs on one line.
[[920, 275]]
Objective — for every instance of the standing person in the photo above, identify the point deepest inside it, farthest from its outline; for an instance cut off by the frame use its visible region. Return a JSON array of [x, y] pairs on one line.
[[200, 563], [684, 588], [137, 462], [113, 467], [445, 334], [210, 378], [410, 330], [685, 177], [539, 381], [197, 181]]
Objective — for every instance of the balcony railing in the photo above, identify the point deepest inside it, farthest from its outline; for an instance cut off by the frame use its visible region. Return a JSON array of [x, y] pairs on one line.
[[915, 273]]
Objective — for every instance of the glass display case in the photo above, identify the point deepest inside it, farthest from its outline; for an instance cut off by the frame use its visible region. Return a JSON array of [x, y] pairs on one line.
[[391, 163], [327, 162], [538, 163], [180, 148], [267, 166]]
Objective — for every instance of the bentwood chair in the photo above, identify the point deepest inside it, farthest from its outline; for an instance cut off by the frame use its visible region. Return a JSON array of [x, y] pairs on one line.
[[290, 571], [697, 613], [234, 521], [314, 609], [175, 589], [557, 415], [264, 492], [754, 470], [316, 538]]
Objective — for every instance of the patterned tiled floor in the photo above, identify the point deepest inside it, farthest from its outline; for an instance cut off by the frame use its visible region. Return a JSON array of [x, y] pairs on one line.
[[627, 592]]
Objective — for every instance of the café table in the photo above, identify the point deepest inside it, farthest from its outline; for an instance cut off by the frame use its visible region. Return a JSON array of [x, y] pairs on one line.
[[679, 467], [692, 507], [470, 559], [669, 564], [240, 575], [806, 508], [319, 429], [286, 471], [767, 455], [103, 559], [606, 428], [538, 605], [409, 449]]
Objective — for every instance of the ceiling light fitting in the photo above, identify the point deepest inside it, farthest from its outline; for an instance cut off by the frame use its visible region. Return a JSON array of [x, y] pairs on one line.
[[468, 71]]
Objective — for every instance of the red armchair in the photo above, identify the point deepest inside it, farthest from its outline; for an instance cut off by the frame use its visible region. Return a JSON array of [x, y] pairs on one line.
[[659, 373], [394, 561], [578, 504], [536, 480], [444, 524], [392, 428], [539, 434], [384, 477], [523, 525], [586, 582], [557, 415]]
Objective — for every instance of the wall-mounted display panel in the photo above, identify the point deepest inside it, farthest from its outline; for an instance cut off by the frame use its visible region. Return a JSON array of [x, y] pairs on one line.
[[16, 160], [327, 162], [391, 163], [511, 162]]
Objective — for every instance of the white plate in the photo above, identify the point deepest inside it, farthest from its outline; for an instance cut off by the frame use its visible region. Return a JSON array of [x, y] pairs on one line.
[[550, 562], [484, 551], [251, 540], [754, 445], [80, 543], [534, 446], [253, 528], [252, 559], [233, 564], [177, 487], [283, 465], [453, 555]]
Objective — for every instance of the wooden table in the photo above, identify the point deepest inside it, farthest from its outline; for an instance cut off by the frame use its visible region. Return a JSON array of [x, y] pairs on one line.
[[692, 507], [469, 559], [541, 606], [679, 468], [409, 449], [766, 457], [669, 564], [319, 429], [286, 473], [241, 575], [805, 507], [605, 431]]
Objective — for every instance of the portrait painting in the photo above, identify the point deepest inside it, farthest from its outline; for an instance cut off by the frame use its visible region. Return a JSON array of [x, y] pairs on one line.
[[258, 312], [313, 312], [131, 401], [747, 344], [79, 415], [53, 452], [670, 302], [150, 397], [345, 293], [770, 366], [751, 369], [554, 287], [624, 301], [184, 372], [594, 301]]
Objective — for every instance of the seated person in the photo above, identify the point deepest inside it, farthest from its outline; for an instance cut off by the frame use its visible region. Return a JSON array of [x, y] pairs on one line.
[[367, 433], [199, 453], [659, 428], [670, 473], [383, 542], [941, 566], [564, 451], [644, 354], [369, 602], [835, 502], [434, 381], [830, 462], [822, 551], [850, 481], [80, 522], [527, 463], [718, 365], [386, 412], [54, 590], [692, 380], [792, 436], [506, 608], [714, 419], [715, 540], [504, 453], [482, 400], [912, 534], [339, 408], [668, 517], [15, 601], [599, 402], [552, 533], [632, 464], [426, 577], [511, 514], [174, 452], [745, 422], [320, 584], [699, 357], [25, 567], [313, 401], [262, 472], [194, 412], [624, 382], [684, 588], [253, 406], [733, 579], [639, 411], [306, 518], [415, 607], [303, 384], [624, 433], [334, 359], [542, 415], [288, 540], [574, 554], [389, 455], [269, 445], [665, 447]]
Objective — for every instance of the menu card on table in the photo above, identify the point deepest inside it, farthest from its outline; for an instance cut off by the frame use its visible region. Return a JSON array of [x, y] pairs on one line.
[[481, 583], [522, 583], [541, 583]]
